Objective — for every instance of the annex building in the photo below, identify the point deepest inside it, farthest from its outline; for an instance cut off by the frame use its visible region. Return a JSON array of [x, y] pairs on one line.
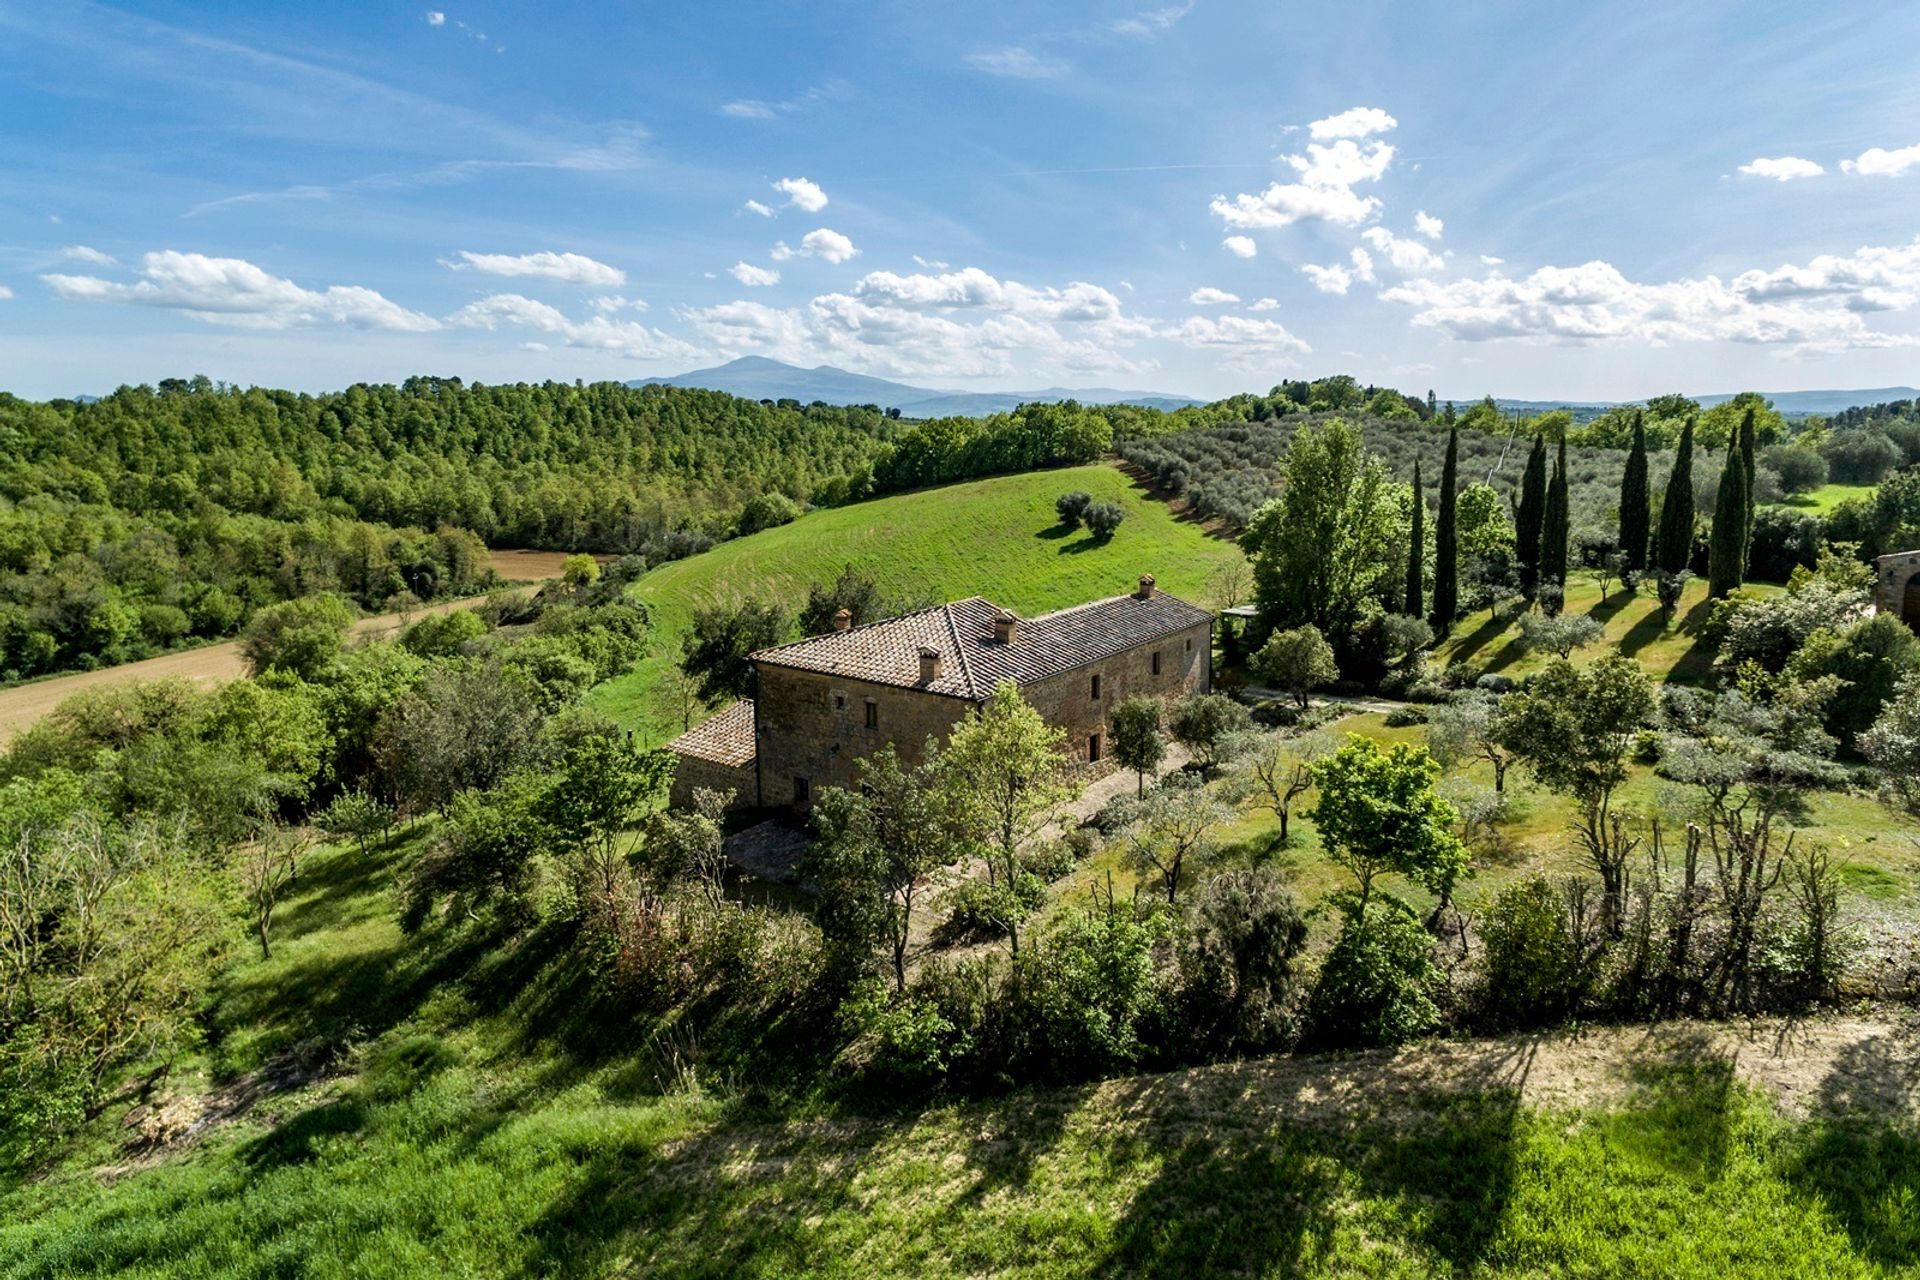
[[822, 704]]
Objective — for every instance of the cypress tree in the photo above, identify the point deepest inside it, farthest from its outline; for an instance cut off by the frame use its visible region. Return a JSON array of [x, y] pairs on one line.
[[1635, 513], [1727, 543], [1747, 465], [1527, 517], [1416, 551], [1674, 547], [1446, 584], [1554, 522]]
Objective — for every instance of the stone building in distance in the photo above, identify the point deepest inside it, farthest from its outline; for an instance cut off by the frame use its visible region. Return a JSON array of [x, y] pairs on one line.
[[822, 704]]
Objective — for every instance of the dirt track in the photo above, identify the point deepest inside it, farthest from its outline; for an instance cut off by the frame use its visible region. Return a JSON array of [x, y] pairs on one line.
[[23, 706]]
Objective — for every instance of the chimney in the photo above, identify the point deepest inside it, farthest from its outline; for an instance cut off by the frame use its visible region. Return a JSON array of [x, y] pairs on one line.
[[1003, 627], [1146, 586], [929, 666], [843, 620]]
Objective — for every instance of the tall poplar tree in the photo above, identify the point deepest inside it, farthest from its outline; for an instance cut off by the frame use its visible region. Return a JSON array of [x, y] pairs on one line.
[[1747, 465], [1674, 547], [1416, 550], [1727, 543], [1446, 542], [1528, 515], [1555, 527], [1635, 501]]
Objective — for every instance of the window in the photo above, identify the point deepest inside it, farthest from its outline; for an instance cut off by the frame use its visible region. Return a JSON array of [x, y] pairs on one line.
[[1095, 695], [1093, 749], [1156, 662], [873, 714], [1189, 644], [800, 792], [839, 702]]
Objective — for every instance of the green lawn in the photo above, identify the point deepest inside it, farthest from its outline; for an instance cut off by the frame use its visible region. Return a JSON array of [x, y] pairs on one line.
[[476, 1128], [1670, 650], [998, 538], [1828, 496]]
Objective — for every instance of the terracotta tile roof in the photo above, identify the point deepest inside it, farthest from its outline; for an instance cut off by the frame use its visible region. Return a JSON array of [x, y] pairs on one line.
[[972, 662], [726, 738]]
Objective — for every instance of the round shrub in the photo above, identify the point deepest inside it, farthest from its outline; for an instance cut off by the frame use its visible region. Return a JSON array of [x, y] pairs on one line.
[[1375, 984], [1531, 960]]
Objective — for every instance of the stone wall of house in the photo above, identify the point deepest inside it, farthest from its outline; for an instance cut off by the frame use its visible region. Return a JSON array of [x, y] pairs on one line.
[[690, 772], [1897, 577], [814, 726], [1067, 700]]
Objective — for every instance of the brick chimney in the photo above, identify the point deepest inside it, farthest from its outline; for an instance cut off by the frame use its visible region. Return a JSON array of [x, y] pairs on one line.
[[1003, 627], [1146, 586], [843, 620], [929, 665]]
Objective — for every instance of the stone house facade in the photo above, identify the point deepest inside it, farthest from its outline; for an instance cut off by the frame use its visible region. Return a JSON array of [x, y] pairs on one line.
[[823, 704]]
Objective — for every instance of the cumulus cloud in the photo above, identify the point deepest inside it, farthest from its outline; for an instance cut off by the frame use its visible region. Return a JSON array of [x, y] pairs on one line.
[[435, 18], [570, 268], [1428, 225], [970, 288], [1245, 342], [1338, 278], [627, 338], [931, 264], [90, 255], [1208, 296], [1241, 246], [1816, 307], [1491, 261], [1354, 122], [1878, 162], [1016, 63], [821, 243], [1152, 22], [1409, 256], [751, 276], [1781, 168], [803, 194], [754, 206], [233, 291], [614, 302], [1327, 174], [1265, 304]]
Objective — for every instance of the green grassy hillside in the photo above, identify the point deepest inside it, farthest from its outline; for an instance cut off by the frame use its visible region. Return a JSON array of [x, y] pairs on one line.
[[997, 538]]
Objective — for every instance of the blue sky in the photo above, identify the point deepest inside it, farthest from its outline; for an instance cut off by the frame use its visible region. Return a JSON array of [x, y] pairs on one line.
[[1601, 201]]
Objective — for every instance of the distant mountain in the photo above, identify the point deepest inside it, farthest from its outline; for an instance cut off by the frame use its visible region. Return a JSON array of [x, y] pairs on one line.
[[758, 378], [1791, 404]]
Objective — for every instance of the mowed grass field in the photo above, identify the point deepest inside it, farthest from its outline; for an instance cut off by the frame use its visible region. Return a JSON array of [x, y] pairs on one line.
[[998, 538], [1828, 496], [478, 1124]]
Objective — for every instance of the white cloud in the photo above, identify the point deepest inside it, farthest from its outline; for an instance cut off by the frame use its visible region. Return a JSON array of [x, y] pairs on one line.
[[748, 274], [1208, 296], [970, 288], [571, 268], [805, 100], [1152, 22], [535, 346], [1406, 255], [232, 291], [1241, 246], [610, 303], [5, 293], [1247, 341], [1818, 307], [1878, 162], [1362, 265], [1491, 261], [627, 338], [1781, 168], [802, 194], [821, 243], [931, 264], [1328, 279], [1016, 63], [1324, 193], [435, 18], [1265, 304], [754, 206], [1428, 225], [749, 109], [88, 254], [1355, 122]]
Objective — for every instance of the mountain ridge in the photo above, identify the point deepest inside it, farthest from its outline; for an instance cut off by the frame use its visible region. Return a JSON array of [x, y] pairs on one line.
[[761, 378]]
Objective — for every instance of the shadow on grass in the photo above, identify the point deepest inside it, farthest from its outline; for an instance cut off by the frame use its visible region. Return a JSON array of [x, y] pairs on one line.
[[1864, 1167], [1604, 611], [1083, 545], [1481, 636]]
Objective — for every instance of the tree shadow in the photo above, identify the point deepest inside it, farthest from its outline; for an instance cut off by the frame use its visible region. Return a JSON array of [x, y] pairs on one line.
[[1643, 633], [1089, 543], [1686, 1102], [1861, 1155], [1604, 611], [1481, 636], [1053, 533]]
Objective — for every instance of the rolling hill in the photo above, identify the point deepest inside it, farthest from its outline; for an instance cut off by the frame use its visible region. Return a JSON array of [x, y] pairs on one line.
[[996, 537], [758, 378]]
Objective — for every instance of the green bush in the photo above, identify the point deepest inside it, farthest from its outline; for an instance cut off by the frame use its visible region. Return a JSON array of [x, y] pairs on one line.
[[1532, 972], [1236, 952], [980, 912], [1375, 983]]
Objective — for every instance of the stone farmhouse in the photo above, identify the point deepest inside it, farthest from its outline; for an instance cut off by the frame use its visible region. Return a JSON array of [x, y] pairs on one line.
[[822, 704]]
